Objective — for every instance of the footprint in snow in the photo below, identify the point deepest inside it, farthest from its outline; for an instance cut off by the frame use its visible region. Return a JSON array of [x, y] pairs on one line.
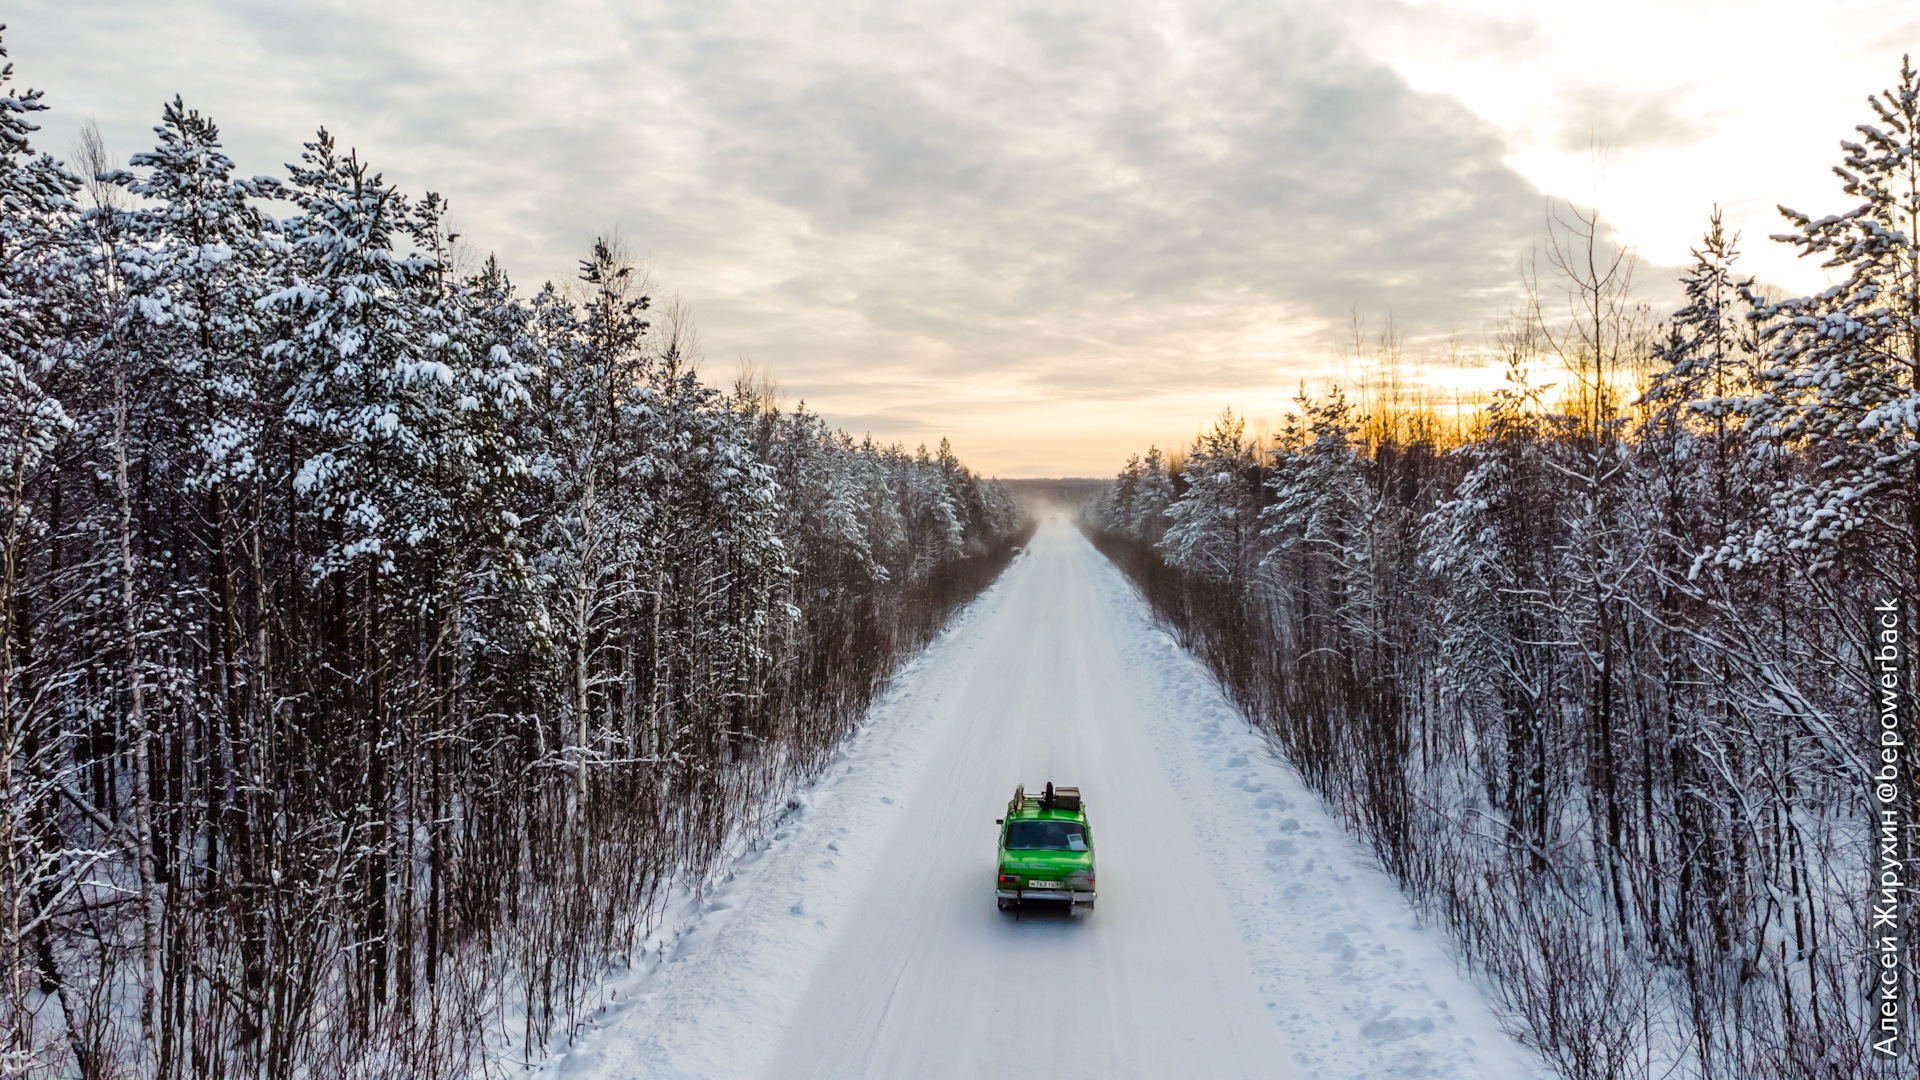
[[1384, 1028], [1338, 943], [799, 907]]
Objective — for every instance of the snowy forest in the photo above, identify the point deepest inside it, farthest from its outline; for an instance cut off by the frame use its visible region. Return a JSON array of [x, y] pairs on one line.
[[1589, 669], [379, 643]]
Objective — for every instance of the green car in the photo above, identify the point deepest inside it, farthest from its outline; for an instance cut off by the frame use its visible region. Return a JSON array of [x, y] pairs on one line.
[[1046, 850]]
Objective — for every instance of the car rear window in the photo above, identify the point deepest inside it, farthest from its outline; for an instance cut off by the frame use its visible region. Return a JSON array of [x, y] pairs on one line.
[[1046, 835]]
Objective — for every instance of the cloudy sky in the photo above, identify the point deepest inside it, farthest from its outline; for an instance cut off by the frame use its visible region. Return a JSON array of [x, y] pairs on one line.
[[1051, 231]]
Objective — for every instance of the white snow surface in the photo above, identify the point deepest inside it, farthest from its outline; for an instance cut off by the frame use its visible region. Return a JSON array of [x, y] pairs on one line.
[[1239, 931]]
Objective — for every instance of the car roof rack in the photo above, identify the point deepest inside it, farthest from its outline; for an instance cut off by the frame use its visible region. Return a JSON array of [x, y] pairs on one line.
[[1055, 798]]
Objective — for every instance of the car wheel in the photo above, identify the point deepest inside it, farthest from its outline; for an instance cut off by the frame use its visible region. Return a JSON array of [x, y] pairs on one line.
[[1005, 904]]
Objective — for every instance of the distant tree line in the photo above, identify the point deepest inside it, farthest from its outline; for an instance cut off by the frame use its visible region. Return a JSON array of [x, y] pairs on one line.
[[377, 644], [1596, 680]]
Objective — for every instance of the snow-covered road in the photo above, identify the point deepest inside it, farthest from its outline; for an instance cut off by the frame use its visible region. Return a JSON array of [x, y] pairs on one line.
[[1239, 931]]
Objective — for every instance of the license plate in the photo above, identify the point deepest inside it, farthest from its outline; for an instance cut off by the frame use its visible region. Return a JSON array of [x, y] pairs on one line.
[[1031, 884]]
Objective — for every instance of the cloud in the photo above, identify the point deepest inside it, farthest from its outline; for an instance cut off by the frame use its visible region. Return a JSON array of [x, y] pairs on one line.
[[928, 219]]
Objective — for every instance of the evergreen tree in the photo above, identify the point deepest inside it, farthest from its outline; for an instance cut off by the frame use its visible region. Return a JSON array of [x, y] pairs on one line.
[[1211, 520], [1843, 367]]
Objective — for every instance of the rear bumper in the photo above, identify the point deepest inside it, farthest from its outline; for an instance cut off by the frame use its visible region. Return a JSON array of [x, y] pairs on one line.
[[1075, 896]]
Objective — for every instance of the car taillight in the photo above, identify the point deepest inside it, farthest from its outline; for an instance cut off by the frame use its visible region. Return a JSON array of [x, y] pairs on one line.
[[1009, 879]]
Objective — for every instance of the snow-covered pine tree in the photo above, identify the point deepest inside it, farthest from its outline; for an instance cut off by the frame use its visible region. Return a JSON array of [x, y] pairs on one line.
[[715, 533], [1147, 521], [1213, 520], [825, 487], [1114, 507], [360, 362], [886, 521], [1698, 402], [1843, 367], [936, 526], [1318, 526], [1321, 501], [373, 381]]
